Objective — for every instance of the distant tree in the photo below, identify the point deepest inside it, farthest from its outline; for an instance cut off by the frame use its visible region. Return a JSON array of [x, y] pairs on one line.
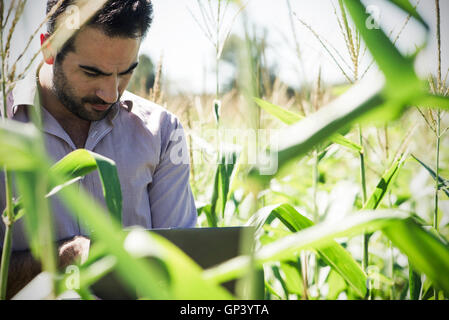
[[143, 78], [265, 74]]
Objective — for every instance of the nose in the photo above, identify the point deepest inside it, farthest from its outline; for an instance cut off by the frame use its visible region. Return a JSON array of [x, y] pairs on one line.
[[108, 90]]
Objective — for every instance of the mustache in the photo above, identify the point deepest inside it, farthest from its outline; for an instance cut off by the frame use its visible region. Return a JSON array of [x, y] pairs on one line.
[[97, 101]]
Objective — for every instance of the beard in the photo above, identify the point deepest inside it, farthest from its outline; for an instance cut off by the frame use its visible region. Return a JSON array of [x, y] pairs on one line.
[[70, 101]]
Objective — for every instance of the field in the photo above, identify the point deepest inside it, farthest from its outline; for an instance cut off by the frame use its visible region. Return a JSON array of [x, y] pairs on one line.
[[346, 184]]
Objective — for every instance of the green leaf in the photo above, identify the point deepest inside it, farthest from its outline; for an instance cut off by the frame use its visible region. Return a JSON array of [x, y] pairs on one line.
[[222, 183], [32, 187], [81, 162], [316, 237], [414, 283], [433, 101], [18, 146], [398, 70], [286, 116], [77, 163], [443, 182], [217, 108], [383, 186], [407, 7], [292, 276], [290, 118], [333, 255], [297, 139], [345, 142], [212, 220], [336, 285], [426, 253]]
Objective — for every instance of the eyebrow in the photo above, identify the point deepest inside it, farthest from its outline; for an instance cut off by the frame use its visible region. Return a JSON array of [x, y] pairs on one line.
[[98, 71]]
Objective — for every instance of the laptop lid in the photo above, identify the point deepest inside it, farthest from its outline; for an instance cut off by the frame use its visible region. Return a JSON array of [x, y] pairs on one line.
[[206, 246]]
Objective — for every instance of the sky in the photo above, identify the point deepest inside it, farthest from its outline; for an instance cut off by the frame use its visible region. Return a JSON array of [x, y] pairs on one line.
[[188, 56]]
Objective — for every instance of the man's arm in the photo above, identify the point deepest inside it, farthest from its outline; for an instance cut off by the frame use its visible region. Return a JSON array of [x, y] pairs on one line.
[[171, 199], [23, 267]]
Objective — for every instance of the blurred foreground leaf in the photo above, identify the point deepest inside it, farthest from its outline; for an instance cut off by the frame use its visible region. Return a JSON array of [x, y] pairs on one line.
[[426, 252], [334, 255], [289, 118], [81, 162]]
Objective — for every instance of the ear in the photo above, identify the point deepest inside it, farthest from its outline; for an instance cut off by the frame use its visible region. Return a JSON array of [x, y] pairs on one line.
[[46, 50]]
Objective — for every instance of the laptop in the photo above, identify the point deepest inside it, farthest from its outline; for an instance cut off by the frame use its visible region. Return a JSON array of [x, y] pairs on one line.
[[208, 247]]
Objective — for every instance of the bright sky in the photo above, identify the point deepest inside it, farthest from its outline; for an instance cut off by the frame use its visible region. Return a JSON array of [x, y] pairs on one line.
[[188, 56]]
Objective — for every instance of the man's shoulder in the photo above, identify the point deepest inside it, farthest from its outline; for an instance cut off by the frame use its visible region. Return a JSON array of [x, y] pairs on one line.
[[149, 112]]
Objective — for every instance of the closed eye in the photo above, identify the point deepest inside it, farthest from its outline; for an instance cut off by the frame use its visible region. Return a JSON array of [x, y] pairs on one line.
[[94, 72], [126, 73], [91, 75], [130, 70]]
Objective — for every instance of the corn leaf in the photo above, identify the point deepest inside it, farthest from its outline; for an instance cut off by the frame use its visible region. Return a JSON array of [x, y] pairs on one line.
[[290, 118], [38, 219], [81, 162], [292, 276], [383, 186], [286, 116], [297, 139], [407, 7], [414, 283], [334, 255], [17, 146], [427, 253], [222, 183], [401, 79], [433, 101], [444, 184], [315, 237], [336, 285]]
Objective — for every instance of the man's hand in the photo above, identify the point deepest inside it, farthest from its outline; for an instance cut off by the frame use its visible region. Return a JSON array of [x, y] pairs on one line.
[[75, 250], [23, 267]]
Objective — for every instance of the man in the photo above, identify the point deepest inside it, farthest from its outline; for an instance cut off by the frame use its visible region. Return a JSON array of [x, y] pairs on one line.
[[84, 105]]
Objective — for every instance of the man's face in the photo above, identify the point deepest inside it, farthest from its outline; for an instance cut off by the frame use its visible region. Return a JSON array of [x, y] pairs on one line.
[[95, 74]]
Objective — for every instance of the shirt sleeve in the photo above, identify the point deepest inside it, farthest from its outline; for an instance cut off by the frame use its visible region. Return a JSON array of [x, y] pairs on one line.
[[171, 198]]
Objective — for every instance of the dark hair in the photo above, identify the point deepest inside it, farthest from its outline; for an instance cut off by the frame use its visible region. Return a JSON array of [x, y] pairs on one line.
[[117, 18]]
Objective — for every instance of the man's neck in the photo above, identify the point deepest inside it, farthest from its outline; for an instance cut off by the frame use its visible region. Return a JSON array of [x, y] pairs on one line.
[[76, 128]]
